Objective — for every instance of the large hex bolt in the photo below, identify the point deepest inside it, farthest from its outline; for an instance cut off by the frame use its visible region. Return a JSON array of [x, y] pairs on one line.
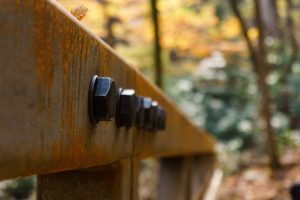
[[102, 99], [140, 111], [126, 108], [161, 118]]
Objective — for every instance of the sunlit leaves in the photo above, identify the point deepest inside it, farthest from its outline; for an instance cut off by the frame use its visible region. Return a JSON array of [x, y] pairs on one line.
[[192, 27], [79, 12], [230, 28], [253, 33]]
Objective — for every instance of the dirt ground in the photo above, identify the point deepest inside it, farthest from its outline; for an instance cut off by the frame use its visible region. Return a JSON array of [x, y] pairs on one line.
[[257, 182]]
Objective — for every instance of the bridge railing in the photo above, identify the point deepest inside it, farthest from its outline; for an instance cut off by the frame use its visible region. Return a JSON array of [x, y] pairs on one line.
[[47, 59]]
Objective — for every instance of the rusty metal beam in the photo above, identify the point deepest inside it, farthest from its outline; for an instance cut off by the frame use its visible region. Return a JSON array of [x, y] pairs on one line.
[[47, 59]]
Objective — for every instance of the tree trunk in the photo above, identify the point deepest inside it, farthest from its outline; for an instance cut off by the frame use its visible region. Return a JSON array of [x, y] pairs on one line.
[[290, 41], [270, 17], [266, 116], [157, 47], [263, 71]]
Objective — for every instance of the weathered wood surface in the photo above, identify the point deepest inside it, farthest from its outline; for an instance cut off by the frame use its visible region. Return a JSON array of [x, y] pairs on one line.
[[47, 59], [111, 182], [182, 178], [202, 172], [175, 178]]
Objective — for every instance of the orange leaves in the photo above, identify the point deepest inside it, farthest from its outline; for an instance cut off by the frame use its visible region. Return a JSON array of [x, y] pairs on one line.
[[79, 12]]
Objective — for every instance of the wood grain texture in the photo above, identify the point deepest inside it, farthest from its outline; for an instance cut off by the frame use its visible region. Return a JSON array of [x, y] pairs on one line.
[[175, 178], [184, 178], [47, 59], [203, 168], [112, 182]]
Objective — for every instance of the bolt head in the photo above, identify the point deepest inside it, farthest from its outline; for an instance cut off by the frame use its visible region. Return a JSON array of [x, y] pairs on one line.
[[102, 99], [126, 108]]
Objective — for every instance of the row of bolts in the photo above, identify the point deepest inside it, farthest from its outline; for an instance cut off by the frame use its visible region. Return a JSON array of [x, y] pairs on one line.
[[130, 110]]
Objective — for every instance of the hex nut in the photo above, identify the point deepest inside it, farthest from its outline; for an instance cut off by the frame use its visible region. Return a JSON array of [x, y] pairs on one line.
[[126, 109], [102, 99]]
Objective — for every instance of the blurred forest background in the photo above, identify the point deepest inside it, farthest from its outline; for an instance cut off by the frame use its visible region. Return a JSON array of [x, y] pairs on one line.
[[232, 66]]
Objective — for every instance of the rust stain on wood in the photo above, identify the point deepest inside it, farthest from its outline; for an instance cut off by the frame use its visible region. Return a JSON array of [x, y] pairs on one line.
[[43, 47], [74, 54], [44, 59]]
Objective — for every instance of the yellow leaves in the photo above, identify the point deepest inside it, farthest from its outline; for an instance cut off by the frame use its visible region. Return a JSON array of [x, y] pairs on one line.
[[183, 29], [168, 5], [253, 33], [79, 12], [207, 16], [230, 28], [191, 31]]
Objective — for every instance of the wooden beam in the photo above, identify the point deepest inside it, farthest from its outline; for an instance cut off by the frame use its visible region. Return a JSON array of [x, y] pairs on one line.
[[47, 59], [175, 178], [112, 182], [182, 178], [203, 168]]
